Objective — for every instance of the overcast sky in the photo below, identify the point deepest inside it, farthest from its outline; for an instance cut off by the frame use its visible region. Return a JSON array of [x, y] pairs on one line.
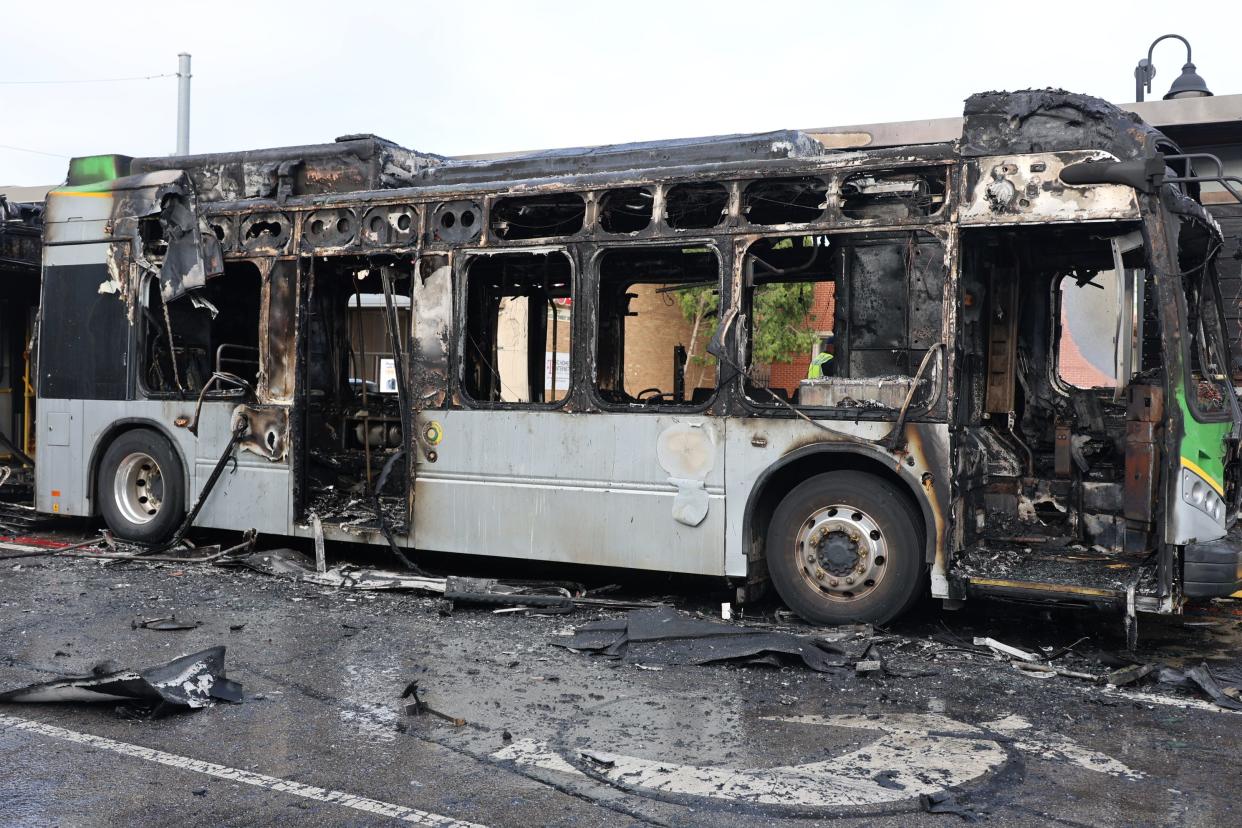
[[482, 76]]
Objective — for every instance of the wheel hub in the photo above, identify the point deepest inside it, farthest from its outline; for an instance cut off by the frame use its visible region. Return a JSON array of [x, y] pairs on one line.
[[838, 552], [842, 552], [138, 488]]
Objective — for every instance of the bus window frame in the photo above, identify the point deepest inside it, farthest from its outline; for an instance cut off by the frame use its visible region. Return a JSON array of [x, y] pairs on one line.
[[143, 391], [1208, 277], [1117, 242], [922, 231], [1192, 340], [594, 285], [460, 261]]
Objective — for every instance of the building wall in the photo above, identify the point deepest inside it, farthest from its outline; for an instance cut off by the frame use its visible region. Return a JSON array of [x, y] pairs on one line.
[[651, 336]]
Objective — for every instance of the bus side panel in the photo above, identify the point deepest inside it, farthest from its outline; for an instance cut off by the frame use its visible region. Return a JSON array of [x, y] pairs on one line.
[[256, 493], [82, 356], [756, 444], [575, 488], [60, 458]]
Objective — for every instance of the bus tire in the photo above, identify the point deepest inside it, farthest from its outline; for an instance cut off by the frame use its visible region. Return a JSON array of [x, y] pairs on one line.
[[845, 547], [141, 487]]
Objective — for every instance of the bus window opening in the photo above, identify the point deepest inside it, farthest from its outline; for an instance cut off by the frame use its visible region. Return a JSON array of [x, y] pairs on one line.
[[649, 297], [840, 322], [214, 328], [519, 319]]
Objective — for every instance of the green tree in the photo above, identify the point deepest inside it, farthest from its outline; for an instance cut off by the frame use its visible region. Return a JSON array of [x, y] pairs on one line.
[[782, 326]]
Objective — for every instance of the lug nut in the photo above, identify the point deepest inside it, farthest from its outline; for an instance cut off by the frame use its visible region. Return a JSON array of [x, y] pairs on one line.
[[832, 582], [849, 580]]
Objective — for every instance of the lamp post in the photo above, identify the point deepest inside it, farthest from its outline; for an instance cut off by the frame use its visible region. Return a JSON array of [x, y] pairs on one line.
[[183, 104], [1187, 85]]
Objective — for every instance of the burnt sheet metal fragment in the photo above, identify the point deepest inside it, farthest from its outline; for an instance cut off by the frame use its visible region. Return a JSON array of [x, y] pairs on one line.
[[191, 681], [665, 636], [1201, 678], [492, 591], [294, 564], [164, 624], [943, 802], [1133, 674]]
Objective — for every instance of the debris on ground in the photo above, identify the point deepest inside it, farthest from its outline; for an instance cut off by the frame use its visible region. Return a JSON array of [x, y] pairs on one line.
[[1005, 649], [418, 707], [1200, 677], [1130, 675], [164, 624], [943, 802], [665, 636], [868, 667], [1050, 670], [191, 681], [291, 563], [544, 596]]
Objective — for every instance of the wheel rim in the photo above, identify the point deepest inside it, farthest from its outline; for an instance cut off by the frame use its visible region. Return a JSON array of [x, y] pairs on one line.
[[138, 488], [842, 552]]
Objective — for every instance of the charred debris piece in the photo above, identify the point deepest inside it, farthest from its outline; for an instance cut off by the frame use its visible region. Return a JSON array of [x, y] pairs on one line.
[[418, 707], [534, 595], [169, 624], [665, 636], [187, 683], [1201, 678], [1130, 673]]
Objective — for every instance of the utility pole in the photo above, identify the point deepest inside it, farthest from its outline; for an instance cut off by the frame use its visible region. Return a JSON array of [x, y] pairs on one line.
[[183, 104]]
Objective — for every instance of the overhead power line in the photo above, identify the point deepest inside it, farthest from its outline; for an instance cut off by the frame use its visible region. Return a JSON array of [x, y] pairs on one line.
[[88, 80], [36, 152]]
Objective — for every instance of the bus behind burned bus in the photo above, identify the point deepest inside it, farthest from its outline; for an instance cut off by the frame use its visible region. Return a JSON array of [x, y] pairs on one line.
[[1020, 382]]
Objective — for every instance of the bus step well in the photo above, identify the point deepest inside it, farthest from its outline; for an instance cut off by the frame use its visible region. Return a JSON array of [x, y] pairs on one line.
[[1071, 575]]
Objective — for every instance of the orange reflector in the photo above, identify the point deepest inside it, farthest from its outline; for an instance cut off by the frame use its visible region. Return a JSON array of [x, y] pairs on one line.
[[55, 492]]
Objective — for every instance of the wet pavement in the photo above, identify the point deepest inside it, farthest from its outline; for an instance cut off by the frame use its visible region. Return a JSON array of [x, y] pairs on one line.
[[554, 737]]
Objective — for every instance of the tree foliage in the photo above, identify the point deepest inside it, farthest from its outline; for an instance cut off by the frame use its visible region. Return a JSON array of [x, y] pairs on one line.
[[782, 326]]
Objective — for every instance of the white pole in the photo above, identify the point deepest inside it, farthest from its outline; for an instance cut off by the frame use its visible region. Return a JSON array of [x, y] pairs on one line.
[[183, 104]]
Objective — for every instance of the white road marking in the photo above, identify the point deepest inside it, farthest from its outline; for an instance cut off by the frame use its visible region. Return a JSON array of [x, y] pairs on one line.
[[273, 783], [535, 753], [1060, 748], [918, 753], [1168, 701]]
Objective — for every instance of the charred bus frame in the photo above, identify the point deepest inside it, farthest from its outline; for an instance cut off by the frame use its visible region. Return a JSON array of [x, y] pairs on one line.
[[949, 445]]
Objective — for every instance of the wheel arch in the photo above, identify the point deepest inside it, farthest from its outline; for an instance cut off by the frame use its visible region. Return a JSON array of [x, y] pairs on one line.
[[781, 477], [114, 430]]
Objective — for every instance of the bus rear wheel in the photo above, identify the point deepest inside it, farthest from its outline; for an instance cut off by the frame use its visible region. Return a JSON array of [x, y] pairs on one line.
[[845, 547], [141, 487]]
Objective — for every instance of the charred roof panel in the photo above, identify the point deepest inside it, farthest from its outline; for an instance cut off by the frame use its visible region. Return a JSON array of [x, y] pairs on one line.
[[1052, 120], [351, 163], [681, 152]]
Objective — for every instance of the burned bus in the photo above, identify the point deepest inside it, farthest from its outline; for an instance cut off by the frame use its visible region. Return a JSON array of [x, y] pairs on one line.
[[599, 356]]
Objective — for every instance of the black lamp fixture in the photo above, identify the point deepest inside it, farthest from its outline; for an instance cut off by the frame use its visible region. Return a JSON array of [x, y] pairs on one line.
[[1187, 85]]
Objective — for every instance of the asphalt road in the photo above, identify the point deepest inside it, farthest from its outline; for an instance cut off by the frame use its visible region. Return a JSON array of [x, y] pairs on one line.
[[555, 737]]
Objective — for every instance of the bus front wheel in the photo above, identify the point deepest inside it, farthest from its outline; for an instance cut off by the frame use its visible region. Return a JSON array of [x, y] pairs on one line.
[[141, 487], [845, 547]]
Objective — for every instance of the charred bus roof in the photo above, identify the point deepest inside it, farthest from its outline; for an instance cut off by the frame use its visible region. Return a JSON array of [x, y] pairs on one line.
[[367, 167]]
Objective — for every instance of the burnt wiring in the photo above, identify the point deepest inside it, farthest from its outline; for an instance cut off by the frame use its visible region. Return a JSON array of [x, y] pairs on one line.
[[239, 431]]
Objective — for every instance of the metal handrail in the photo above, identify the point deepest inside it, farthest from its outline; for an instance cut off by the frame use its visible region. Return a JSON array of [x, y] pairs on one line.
[[1226, 181]]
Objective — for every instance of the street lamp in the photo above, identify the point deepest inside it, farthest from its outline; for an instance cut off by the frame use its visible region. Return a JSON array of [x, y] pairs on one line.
[[1187, 85]]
